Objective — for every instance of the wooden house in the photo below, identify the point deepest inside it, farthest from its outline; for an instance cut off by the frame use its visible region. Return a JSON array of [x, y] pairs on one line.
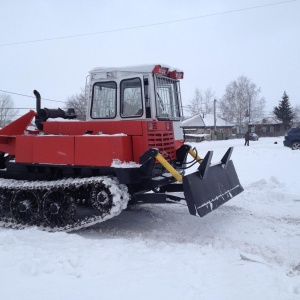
[[199, 128]]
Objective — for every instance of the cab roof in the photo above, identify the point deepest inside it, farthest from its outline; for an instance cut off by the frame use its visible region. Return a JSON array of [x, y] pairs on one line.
[[161, 69]]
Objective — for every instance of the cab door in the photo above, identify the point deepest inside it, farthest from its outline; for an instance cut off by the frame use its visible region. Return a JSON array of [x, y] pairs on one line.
[[131, 97]]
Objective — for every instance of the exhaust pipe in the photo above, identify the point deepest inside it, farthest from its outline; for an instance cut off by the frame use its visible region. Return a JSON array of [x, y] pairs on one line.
[[37, 121], [46, 113], [38, 100]]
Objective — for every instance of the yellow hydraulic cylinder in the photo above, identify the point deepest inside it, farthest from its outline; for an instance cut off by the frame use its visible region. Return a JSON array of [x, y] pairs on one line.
[[168, 167], [195, 156]]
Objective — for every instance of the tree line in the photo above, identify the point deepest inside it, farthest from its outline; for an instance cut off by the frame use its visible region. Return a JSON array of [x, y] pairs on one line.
[[242, 104]]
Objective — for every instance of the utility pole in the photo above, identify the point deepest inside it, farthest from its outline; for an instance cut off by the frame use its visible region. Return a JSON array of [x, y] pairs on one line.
[[215, 119], [249, 110]]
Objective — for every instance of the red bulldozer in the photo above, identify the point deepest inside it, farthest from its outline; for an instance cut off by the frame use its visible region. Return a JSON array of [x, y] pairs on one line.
[[64, 174]]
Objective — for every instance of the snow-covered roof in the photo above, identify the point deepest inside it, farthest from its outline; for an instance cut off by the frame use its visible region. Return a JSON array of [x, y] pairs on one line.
[[135, 69], [267, 120], [193, 121], [116, 72], [206, 121]]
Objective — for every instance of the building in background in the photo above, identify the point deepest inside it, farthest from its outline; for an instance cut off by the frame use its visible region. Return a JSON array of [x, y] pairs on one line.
[[268, 126], [199, 128]]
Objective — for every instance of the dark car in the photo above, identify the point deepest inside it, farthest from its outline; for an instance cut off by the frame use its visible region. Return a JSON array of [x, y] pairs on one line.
[[253, 136], [292, 138]]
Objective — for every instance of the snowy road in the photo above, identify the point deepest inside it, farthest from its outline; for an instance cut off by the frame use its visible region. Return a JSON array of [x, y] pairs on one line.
[[249, 248]]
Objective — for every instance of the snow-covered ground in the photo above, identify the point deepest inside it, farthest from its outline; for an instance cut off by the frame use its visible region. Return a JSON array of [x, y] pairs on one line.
[[249, 248]]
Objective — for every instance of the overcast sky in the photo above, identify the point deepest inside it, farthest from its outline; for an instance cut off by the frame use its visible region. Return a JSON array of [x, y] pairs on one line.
[[213, 47]]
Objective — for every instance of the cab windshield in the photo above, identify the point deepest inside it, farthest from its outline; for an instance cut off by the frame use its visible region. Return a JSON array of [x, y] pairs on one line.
[[168, 101]]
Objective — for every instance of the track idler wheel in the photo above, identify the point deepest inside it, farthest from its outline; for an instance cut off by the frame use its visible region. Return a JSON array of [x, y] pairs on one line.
[[58, 208], [25, 207], [101, 199]]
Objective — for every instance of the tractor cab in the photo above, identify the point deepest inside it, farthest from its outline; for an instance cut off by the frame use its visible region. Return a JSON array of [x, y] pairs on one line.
[[135, 93]]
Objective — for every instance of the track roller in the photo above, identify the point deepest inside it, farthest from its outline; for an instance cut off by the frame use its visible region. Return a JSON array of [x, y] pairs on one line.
[[25, 207], [58, 208]]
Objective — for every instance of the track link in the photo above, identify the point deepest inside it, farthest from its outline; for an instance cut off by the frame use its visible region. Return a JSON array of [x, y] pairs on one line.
[[117, 193]]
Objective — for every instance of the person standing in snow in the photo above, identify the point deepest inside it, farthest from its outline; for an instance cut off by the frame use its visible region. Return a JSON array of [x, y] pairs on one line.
[[247, 138]]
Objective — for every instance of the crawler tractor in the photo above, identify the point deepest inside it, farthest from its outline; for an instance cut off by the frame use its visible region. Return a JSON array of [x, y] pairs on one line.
[[65, 174]]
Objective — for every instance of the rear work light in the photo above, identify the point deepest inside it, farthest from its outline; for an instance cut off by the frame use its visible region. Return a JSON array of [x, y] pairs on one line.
[[176, 75], [158, 69]]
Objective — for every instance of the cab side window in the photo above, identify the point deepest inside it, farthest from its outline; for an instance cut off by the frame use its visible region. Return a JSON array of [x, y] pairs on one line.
[[131, 98], [104, 100]]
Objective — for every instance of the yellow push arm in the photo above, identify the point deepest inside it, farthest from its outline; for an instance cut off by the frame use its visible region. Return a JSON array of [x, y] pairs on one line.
[[168, 167], [195, 156]]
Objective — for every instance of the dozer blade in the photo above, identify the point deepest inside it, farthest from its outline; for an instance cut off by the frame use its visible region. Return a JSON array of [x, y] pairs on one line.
[[211, 186]]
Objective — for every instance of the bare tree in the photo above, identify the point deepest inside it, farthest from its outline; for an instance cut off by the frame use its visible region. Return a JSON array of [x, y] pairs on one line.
[[202, 103], [209, 96], [7, 110], [241, 103], [79, 103], [297, 115]]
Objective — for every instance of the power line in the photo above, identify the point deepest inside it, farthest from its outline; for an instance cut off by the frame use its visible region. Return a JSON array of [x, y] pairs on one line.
[[16, 108], [148, 25], [31, 96]]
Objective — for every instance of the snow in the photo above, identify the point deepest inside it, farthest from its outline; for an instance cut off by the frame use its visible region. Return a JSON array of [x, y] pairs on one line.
[[197, 134], [119, 164], [135, 69], [206, 121], [62, 120], [113, 135], [249, 248], [193, 121], [209, 121]]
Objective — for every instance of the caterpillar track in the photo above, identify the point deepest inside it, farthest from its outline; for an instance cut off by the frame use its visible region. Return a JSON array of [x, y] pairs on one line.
[[61, 205]]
